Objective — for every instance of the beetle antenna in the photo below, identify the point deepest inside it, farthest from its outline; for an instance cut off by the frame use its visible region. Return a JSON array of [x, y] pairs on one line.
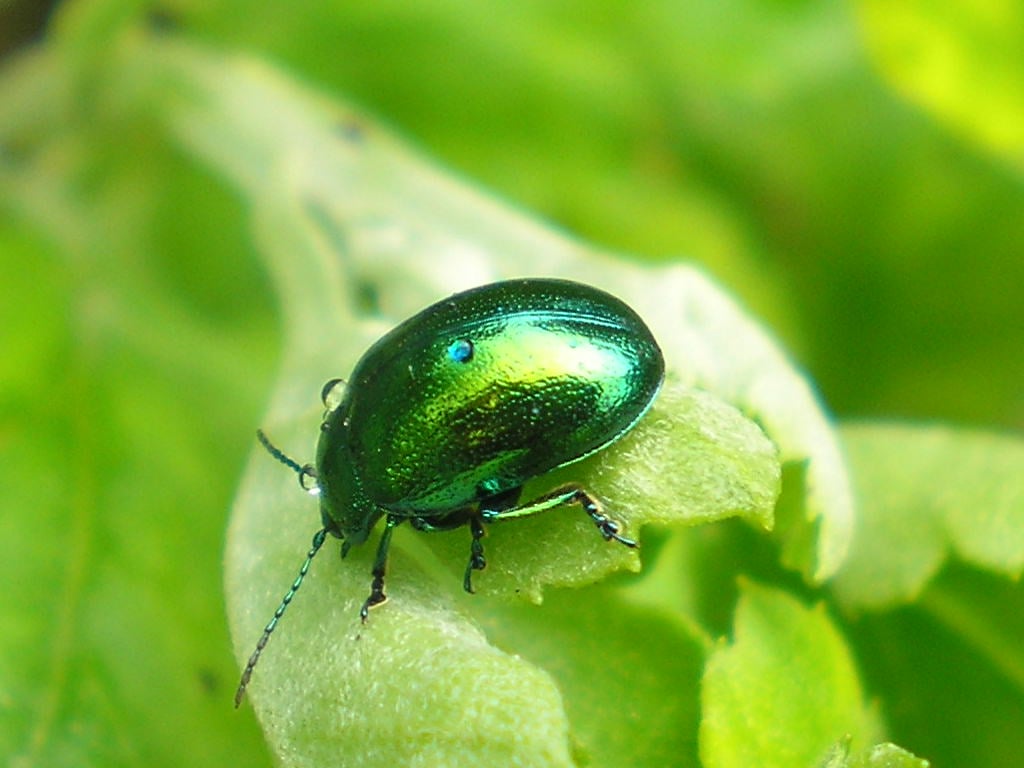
[[318, 541], [278, 454], [306, 472]]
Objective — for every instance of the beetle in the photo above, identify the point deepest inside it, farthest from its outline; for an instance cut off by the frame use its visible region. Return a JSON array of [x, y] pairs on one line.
[[447, 416]]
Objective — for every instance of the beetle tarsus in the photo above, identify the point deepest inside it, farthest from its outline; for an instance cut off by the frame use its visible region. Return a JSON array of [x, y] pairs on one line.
[[609, 528], [376, 597], [380, 566]]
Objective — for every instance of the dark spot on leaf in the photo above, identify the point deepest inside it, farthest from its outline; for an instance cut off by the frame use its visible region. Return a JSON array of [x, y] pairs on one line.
[[14, 153], [351, 130], [162, 19], [208, 680], [367, 297]]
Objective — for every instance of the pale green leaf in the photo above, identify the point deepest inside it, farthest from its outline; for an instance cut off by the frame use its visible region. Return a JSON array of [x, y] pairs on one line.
[[405, 234], [343, 214]]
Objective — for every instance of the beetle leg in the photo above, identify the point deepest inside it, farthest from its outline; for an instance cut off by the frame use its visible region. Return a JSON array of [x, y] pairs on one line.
[[567, 494], [477, 562], [449, 522], [457, 519], [380, 563]]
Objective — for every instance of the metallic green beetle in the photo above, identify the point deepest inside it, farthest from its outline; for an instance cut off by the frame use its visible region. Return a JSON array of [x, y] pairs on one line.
[[447, 416]]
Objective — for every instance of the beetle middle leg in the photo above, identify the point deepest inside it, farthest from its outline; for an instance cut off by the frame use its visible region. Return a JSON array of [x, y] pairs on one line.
[[489, 509], [477, 561], [567, 494], [457, 519]]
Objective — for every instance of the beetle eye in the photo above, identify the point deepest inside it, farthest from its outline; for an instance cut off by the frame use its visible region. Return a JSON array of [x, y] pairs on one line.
[[331, 394], [460, 351]]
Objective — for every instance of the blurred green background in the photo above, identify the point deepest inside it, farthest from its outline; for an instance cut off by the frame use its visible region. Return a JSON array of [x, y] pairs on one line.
[[853, 171]]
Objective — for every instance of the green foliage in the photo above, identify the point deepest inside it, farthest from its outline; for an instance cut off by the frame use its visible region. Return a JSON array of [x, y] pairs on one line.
[[803, 594], [962, 61]]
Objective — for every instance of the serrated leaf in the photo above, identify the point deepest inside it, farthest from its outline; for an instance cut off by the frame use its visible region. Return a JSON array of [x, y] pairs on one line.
[[955, 658], [926, 493], [631, 684], [782, 691]]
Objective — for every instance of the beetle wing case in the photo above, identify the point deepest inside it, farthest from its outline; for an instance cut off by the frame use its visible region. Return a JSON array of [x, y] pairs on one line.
[[487, 389]]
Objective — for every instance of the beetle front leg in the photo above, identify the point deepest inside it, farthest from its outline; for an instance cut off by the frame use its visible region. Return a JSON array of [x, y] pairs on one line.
[[380, 563]]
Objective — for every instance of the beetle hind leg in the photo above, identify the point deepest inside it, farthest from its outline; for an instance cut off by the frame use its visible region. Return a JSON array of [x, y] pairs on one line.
[[567, 494]]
